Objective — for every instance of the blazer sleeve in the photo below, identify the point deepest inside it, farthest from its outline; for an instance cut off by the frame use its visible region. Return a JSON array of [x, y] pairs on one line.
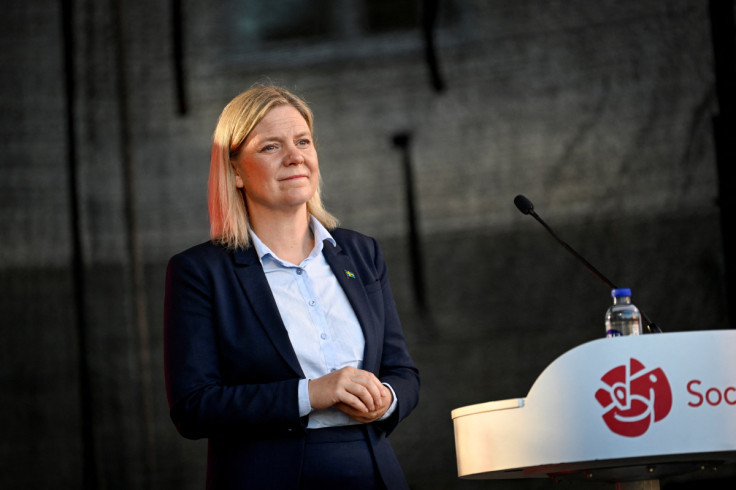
[[396, 365], [204, 401]]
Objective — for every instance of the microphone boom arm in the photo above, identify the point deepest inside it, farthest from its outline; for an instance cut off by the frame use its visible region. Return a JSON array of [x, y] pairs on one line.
[[526, 207], [587, 264]]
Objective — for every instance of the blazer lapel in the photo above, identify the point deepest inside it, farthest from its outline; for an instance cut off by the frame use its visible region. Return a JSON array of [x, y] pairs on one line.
[[346, 272], [258, 293]]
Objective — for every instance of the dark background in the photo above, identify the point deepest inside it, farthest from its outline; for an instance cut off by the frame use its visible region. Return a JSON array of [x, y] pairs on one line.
[[614, 117]]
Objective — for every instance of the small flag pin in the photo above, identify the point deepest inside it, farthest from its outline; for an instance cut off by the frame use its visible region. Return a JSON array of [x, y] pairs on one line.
[[349, 274]]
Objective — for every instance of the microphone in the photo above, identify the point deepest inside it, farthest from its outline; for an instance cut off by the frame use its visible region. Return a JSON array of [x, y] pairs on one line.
[[526, 207]]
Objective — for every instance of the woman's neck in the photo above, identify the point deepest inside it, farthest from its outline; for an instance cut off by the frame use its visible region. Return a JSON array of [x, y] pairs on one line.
[[289, 237]]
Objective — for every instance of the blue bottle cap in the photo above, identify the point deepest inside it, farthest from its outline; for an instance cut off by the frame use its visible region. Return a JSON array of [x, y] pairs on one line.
[[618, 293]]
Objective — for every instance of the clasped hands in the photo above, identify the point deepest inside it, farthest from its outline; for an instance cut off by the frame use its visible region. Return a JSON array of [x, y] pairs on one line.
[[355, 392]]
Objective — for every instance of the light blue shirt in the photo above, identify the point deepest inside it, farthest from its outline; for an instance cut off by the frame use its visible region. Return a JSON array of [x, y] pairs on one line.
[[321, 324]]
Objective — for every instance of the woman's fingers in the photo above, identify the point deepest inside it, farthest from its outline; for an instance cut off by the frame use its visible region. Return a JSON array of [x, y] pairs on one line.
[[366, 387], [367, 417], [353, 387]]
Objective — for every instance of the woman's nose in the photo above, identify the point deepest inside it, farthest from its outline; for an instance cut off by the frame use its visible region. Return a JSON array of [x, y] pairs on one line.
[[293, 156]]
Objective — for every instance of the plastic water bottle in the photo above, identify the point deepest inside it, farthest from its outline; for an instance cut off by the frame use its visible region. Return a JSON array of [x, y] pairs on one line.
[[622, 318]]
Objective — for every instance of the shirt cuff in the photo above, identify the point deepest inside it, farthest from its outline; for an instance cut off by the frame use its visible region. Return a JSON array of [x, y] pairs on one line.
[[394, 401], [304, 406]]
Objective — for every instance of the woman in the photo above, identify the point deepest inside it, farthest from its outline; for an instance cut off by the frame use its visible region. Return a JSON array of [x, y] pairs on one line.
[[282, 342]]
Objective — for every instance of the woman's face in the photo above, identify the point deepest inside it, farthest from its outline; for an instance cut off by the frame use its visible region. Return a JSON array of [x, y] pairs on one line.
[[277, 163]]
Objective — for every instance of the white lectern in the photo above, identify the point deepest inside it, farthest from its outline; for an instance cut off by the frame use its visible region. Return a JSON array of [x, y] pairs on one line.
[[621, 409]]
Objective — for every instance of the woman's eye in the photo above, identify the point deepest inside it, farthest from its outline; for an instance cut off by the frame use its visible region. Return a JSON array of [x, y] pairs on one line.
[[269, 148]]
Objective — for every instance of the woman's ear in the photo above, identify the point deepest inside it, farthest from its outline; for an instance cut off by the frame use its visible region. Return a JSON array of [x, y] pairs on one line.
[[238, 181]]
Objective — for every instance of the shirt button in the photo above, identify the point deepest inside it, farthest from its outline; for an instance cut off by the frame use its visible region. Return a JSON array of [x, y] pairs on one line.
[[299, 271], [312, 303], [323, 336]]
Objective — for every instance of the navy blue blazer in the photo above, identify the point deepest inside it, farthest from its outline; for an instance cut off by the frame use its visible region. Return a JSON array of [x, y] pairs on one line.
[[232, 374]]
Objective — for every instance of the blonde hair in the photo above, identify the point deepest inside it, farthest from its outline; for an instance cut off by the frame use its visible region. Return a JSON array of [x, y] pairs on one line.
[[227, 208]]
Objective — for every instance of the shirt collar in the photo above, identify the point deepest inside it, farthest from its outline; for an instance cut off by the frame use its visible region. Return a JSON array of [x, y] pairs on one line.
[[320, 235]]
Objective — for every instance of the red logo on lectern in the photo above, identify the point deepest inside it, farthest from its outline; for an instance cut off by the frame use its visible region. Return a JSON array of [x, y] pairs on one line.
[[634, 398]]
